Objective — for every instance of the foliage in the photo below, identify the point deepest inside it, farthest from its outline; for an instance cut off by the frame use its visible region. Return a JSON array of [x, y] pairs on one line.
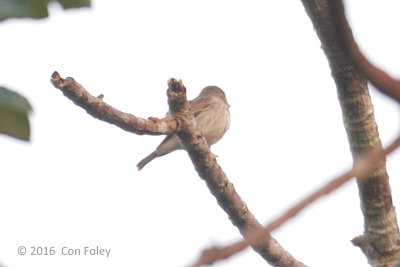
[[14, 110], [34, 8]]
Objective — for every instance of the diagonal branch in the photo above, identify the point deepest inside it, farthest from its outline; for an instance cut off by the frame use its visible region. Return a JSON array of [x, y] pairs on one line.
[[380, 241], [361, 167], [96, 107], [182, 122], [381, 235], [380, 79], [208, 169]]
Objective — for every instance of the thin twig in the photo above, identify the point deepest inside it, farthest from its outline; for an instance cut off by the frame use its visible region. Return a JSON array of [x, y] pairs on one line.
[[380, 79], [380, 240], [361, 167]]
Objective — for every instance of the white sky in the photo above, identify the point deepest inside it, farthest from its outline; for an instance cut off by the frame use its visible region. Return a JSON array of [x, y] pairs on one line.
[[76, 183]]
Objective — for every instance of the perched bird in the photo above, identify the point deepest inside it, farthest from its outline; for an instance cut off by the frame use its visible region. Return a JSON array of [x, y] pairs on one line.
[[211, 112]]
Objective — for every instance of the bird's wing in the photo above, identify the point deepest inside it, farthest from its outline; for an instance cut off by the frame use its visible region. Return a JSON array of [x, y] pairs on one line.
[[200, 105]]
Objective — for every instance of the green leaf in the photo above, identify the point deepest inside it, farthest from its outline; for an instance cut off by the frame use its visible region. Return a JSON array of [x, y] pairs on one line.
[[14, 110], [74, 4], [34, 8]]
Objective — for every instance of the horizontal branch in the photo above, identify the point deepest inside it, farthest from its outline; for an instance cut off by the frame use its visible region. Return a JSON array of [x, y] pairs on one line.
[[96, 107]]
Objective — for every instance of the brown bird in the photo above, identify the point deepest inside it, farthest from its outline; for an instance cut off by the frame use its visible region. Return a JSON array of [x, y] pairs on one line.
[[211, 112]]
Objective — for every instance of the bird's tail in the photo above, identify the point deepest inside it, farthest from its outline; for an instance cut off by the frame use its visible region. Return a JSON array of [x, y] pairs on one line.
[[146, 160]]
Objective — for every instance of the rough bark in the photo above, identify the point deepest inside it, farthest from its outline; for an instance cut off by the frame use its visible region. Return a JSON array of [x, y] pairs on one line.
[[183, 123], [380, 240], [208, 169], [96, 107]]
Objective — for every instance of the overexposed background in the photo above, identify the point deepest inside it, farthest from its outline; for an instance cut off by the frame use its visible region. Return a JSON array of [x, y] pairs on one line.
[[76, 183]]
